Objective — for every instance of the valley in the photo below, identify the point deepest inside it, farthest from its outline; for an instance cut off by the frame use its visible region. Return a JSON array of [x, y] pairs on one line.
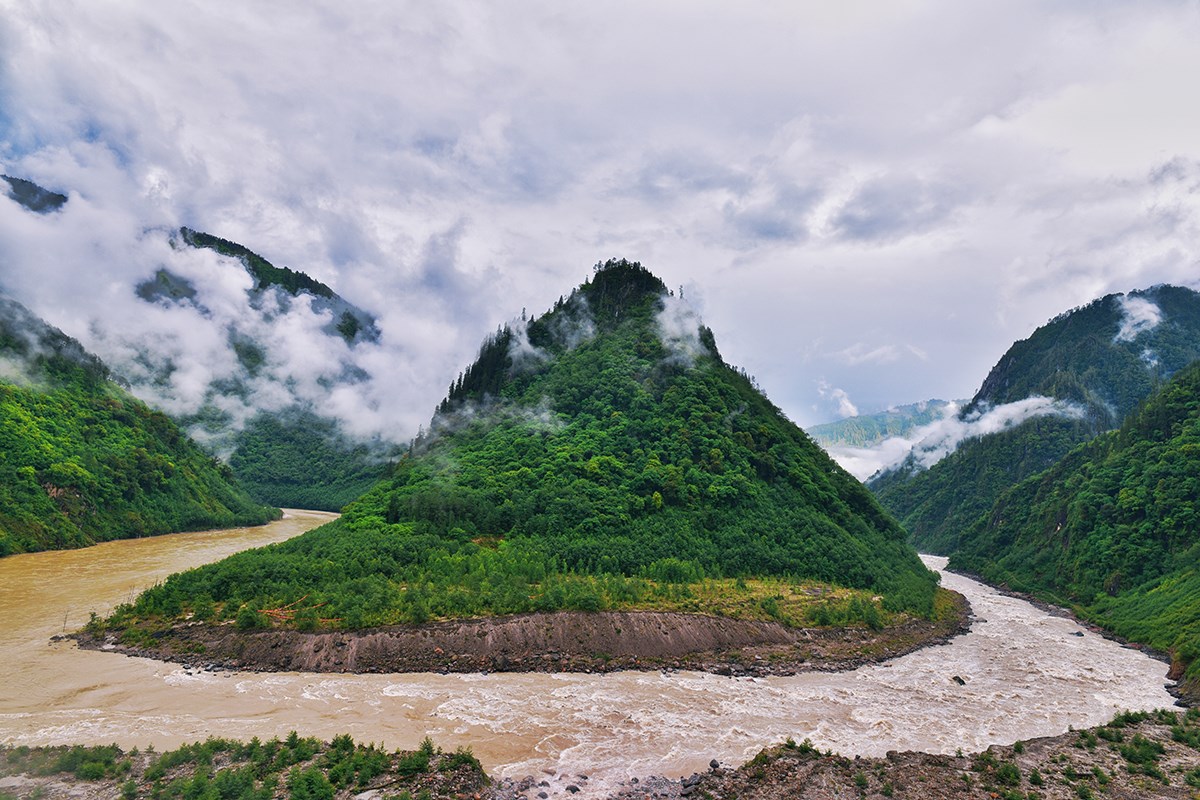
[[1026, 673]]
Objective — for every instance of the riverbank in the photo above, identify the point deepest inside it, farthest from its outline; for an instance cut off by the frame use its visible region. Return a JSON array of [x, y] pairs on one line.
[[1144, 755], [1136, 755], [557, 642]]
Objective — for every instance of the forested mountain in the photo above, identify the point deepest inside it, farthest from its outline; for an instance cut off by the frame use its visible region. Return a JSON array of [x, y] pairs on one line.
[[1113, 527], [299, 459], [865, 430], [291, 456], [82, 461], [33, 197], [348, 321], [249, 410], [1096, 362], [600, 446]]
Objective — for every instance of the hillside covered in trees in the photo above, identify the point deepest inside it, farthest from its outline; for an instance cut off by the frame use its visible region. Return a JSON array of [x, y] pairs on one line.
[[1098, 362], [296, 458], [82, 461], [597, 456], [1114, 527]]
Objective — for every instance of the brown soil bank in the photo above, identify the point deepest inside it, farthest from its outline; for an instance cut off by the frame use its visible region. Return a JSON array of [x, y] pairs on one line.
[[559, 642]]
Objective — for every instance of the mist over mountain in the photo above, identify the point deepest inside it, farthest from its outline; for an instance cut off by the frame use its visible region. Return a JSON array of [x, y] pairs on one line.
[[1079, 375], [584, 452], [865, 444], [32, 196], [1112, 528], [82, 461], [249, 357]]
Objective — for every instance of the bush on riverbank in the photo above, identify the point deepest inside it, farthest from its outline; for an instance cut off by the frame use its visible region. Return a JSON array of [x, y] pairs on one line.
[[223, 769]]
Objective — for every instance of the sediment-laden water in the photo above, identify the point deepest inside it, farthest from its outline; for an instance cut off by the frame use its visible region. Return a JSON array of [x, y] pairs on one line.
[[1027, 673]]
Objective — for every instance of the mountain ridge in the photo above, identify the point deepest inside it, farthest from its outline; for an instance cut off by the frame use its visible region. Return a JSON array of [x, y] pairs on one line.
[[1085, 358]]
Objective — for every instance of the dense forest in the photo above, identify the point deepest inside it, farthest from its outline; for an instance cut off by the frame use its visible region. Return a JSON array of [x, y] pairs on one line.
[[1087, 357], [82, 461], [1113, 528], [296, 458], [589, 458]]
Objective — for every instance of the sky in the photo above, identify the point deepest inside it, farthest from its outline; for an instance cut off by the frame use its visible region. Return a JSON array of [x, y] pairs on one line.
[[868, 202]]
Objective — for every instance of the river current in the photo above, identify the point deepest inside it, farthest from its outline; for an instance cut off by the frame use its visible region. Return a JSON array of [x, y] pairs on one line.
[[1026, 673]]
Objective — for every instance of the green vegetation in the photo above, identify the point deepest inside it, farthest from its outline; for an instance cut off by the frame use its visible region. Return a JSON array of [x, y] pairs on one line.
[[867, 429], [938, 505], [1113, 528], [265, 273], [592, 460], [81, 461], [1075, 357], [222, 769], [297, 459]]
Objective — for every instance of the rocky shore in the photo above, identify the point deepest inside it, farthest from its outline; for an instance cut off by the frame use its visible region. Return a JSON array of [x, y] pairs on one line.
[[1147, 755], [1142, 755], [560, 642]]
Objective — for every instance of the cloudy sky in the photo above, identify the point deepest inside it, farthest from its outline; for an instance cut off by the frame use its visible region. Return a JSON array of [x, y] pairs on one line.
[[868, 201]]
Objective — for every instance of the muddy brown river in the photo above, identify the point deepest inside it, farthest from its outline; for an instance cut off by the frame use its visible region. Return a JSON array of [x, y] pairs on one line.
[[1027, 673]]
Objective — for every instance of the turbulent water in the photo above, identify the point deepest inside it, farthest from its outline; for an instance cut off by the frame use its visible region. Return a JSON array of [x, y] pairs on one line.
[[1027, 673]]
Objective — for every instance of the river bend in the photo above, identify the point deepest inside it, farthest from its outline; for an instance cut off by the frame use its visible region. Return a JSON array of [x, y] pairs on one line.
[[1027, 673]]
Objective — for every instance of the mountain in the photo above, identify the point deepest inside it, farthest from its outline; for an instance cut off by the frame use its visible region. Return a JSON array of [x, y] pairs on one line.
[[295, 458], [1079, 375], [81, 461], [865, 430], [600, 456], [32, 196], [1114, 527], [291, 455], [346, 320], [250, 391]]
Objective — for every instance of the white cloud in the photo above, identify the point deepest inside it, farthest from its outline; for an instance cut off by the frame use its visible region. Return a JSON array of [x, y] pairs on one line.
[[838, 399], [1139, 314], [929, 444], [840, 177], [679, 328]]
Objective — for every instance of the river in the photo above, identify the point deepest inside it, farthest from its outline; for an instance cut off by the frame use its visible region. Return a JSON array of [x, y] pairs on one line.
[[1027, 673]]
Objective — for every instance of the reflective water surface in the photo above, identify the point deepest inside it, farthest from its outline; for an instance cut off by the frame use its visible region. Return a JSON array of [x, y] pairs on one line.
[[1027, 673]]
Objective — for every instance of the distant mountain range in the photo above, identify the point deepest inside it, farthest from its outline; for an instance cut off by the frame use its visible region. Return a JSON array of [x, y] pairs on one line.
[[866, 430]]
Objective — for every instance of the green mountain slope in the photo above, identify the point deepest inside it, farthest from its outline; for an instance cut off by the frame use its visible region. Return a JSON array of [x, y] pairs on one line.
[[1093, 358], [603, 446], [82, 461], [298, 459], [1114, 527]]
